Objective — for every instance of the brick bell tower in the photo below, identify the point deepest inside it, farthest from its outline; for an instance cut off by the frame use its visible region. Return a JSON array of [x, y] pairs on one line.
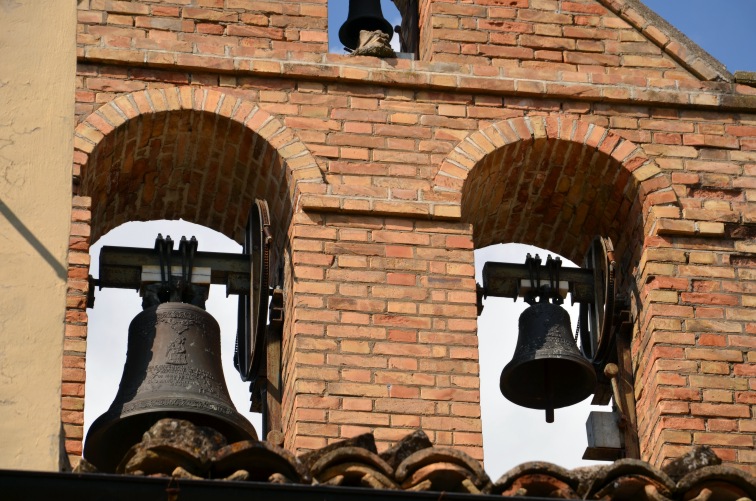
[[536, 121]]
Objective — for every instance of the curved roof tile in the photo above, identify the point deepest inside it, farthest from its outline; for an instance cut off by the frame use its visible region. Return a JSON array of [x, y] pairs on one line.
[[628, 479], [176, 448], [414, 469], [353, 466], [724, 483], [264, 462], [538, 478]]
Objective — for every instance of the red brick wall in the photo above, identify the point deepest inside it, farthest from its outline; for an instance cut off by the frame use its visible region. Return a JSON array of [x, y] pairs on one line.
[[695, 379], [187, 30], [383, 337], [604, 41], [383, 177]]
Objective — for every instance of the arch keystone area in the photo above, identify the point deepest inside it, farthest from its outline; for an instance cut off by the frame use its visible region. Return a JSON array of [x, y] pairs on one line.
[[301, 166], [646, 175]]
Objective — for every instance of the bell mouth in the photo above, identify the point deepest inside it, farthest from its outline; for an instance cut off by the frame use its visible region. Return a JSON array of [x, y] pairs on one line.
[[538, 375]]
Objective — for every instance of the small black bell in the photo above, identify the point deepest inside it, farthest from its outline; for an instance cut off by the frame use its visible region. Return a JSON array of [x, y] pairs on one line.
[[363, 15], [547, 370]]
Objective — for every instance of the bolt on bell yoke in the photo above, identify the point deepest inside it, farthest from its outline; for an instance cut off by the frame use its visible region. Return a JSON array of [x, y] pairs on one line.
[[547, 370], [364, 15]]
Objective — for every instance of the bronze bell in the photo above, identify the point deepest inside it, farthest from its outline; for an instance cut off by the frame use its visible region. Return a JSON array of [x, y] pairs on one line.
[[547, 370], [363, 15], [173, 369]]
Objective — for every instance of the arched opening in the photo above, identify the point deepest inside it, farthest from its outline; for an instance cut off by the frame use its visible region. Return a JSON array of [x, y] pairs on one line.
[[115, 308], [554, 183], [512, 434], [550, 193], [176, 153], [185, 164]]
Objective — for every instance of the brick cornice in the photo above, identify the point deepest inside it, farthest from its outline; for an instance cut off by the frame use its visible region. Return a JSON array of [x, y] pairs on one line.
[[449, 77]]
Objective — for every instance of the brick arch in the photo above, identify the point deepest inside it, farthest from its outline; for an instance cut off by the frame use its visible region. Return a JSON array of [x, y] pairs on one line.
[[180, 152], [133, 150], [557, 181]]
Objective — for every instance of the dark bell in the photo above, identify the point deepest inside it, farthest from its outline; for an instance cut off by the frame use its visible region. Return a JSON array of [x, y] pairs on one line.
[[173, 369], [363, 15], [547, 371]]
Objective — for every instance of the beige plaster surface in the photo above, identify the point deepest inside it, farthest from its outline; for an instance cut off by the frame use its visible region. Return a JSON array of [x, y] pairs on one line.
[[37, 82]]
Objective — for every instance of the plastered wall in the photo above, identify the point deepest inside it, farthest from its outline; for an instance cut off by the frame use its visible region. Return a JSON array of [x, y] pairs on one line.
[[36, 118]]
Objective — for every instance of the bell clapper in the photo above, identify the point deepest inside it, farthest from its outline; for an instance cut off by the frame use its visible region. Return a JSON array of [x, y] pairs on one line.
[[549, 394]]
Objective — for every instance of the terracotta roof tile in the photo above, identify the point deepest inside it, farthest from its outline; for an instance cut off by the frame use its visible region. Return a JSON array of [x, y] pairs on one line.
[[262, 461], [177, 448], [446, 469], [629, 479], [349, 465], [540, 479], [717, 483]]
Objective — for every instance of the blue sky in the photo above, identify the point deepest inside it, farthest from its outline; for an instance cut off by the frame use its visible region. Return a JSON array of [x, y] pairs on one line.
[[725, 29]]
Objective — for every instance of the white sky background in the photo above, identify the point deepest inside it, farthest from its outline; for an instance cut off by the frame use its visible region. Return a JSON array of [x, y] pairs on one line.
[[512, 435]]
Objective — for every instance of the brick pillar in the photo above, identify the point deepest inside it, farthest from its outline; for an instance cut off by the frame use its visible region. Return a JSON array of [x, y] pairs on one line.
[[695, 348], [383, 332], [75, 343]]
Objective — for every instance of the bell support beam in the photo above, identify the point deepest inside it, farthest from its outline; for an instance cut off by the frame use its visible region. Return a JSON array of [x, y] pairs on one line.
[[121, 267], [508, 280]]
